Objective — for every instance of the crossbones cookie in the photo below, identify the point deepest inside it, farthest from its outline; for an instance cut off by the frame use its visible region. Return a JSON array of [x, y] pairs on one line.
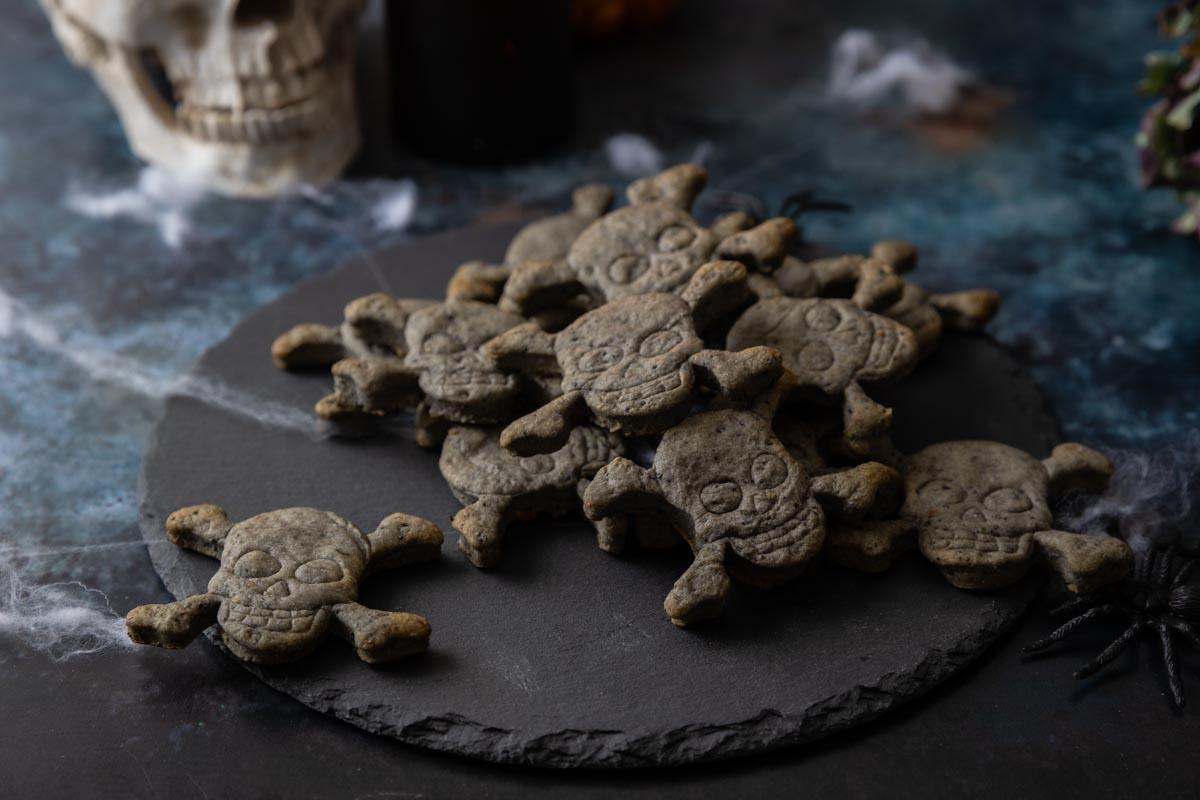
[[979, 511], [442, 364], [496, 487], [632, 365], [287, 578], [653, 245], [740, 500], [372, 327], [544, 240], [832, 346]]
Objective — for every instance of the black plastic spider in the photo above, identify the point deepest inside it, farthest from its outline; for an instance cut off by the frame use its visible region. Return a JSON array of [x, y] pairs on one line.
[[1157, 596], [799, 203]]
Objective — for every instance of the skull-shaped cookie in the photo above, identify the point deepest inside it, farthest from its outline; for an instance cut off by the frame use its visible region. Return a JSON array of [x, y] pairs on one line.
[[372, 327], [927, 313], [979, 511], [653, 245], [443, 363], [545, 240], [287, 578], [497, 487], [742, 502], [632, 365], [832, 345]]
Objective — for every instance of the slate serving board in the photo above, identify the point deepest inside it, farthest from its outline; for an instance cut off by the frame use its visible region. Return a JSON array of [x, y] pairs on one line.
[[562, 656]]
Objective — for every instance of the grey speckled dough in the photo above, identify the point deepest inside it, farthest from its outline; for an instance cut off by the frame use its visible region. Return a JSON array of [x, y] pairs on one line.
[[496, 487], [593, 674], [286, 579]]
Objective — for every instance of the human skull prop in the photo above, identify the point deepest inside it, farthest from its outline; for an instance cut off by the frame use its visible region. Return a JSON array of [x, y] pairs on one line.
[[632, 365], [740, 500], [262, 94], [286, 579], [979, 512]]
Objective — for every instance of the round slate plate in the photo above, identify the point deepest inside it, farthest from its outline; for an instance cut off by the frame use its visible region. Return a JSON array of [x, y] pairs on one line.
[[562, 656]]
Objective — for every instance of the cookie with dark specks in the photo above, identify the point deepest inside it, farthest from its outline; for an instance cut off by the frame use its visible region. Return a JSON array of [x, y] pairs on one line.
[[633, 364], [372, 327], [832, 346], [740, 500], [980, 512], [288, 578], [497, 487]]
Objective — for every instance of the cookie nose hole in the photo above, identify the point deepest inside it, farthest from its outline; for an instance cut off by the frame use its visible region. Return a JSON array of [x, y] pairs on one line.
[[255, 12], [973, 516], [278, 589]]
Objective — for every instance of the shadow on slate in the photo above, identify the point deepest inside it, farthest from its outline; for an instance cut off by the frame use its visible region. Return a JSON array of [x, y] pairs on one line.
[[562, 656]]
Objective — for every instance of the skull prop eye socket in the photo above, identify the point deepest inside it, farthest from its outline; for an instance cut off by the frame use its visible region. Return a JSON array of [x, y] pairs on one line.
[[659, 342], [600, 358], [721, 497], [1007, 500], [256, 564], [768, 471], [626, 268], [939, 492], [675, 237], [441, 344], [319, 570], [815, 357]]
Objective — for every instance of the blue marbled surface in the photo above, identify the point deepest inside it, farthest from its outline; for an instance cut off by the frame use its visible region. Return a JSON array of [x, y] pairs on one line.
[[1102, 303]]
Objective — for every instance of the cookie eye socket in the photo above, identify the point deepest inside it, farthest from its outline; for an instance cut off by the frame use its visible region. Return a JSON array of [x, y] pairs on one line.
[[768, 471], [1007, 501], [940, 492], [600, 358], [815, 357], [625, 269], [659, 342], [721, 497], [256, 564], [675, 237], [823, 317], [536, 465], [440, 344], [319, 570]]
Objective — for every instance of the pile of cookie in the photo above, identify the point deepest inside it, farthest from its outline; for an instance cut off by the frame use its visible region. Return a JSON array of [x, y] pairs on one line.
[[609, 333]]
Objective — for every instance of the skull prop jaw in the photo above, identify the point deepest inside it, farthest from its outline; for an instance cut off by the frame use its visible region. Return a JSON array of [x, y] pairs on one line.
[[278, 591], [262, 95]]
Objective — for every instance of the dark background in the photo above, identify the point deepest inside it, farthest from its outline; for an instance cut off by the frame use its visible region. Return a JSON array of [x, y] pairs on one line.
[[1101, 306]]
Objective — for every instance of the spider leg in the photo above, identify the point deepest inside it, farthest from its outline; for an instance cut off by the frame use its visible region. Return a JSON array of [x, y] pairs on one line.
[[1073, 605], [1168, 651], [1068, 627], [1162, 576], [1145, 565], [1113, 650], [1187, 630], [1184, 573]]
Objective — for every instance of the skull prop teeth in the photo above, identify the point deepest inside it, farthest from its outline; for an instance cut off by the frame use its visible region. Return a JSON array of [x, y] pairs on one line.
[[653, 245], [831, 345], [497, 487], [286, 579], [261, 91], [632, 365], [744, 505], [979, 511]]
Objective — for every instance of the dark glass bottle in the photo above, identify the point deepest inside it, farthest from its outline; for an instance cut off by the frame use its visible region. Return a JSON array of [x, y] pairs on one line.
[[481, 81]]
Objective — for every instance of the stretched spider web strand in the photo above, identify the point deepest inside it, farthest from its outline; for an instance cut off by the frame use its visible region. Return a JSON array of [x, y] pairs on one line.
[[1113, 650], [1186, 630], [1168, 651], [1070, 626]]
